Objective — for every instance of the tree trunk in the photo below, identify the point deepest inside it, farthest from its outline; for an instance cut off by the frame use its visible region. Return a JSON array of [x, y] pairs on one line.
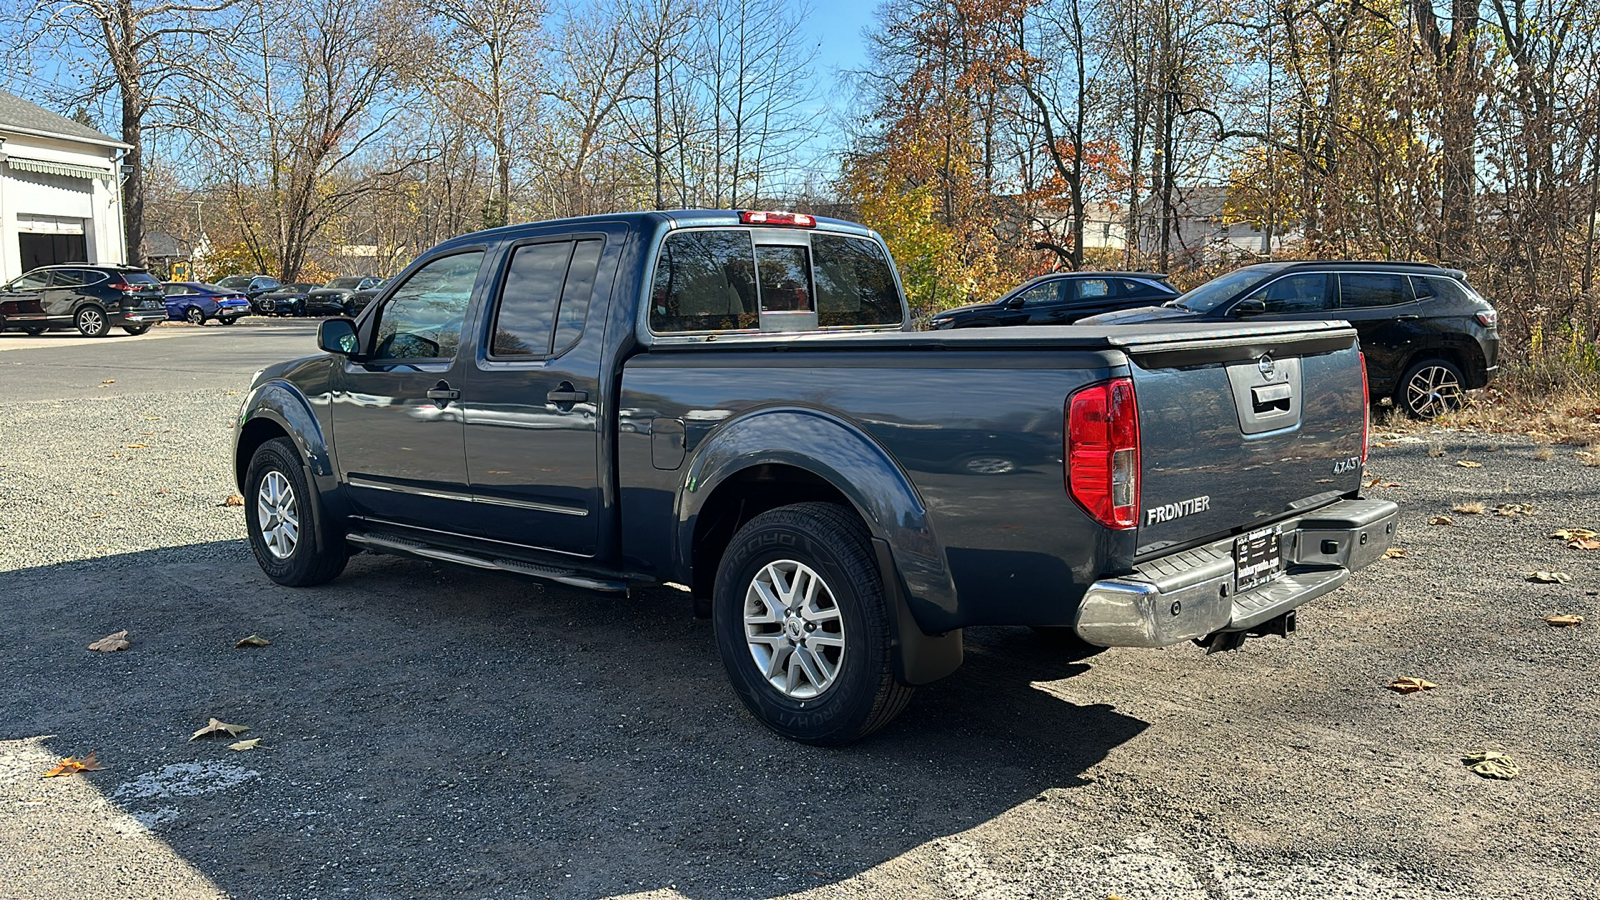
[[133, 187]]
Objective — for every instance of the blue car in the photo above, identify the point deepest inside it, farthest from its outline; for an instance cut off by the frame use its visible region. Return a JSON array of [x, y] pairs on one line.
[[196, 303]]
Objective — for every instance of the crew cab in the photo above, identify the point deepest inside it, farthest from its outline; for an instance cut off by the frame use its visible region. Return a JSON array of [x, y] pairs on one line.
[[733, 403]]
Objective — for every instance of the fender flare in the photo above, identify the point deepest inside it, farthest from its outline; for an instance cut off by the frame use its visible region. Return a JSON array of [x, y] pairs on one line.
[[286, 407], [838, 452]]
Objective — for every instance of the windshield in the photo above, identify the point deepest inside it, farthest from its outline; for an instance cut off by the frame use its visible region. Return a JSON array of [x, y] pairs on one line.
[[1217, 291], [235, 281], [345, 283]]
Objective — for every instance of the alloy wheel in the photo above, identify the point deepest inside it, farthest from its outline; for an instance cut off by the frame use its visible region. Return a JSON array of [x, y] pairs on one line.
[[794, 629], [278, 515], [1432, 392]]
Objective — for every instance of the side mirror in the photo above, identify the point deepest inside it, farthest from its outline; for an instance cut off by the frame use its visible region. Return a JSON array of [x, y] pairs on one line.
[[1250, 306], [338, 336], [1014, 303]]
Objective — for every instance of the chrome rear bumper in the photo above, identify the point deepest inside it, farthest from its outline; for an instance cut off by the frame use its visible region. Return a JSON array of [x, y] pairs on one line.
[[1191, 594]]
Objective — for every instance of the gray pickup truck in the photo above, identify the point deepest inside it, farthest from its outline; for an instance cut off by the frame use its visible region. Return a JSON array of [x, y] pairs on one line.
[[734, 403]]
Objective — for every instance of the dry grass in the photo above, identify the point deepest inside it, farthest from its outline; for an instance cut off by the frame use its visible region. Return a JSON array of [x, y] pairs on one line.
[[1544, 454], [1530, 403], [1471, 509]]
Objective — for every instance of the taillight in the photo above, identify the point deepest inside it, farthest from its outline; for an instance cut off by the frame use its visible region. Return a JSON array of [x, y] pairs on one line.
[[777, 218], [1366, 412], [1488, 318], [119, 285], [1103, 452]]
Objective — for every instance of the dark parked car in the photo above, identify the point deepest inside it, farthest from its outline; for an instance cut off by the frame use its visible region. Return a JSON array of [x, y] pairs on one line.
[[197, 303], [1427, 335], [334, 298], [1061, 299], [360, 299], [251, 286], [719, 400], [92, 298], [285, 299]]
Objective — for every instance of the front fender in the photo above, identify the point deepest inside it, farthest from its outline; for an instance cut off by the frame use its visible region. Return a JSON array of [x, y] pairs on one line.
[[839, 453], [282, 404]]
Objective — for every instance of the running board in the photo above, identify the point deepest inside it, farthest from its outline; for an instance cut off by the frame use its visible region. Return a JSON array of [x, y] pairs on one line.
[[568, 577]]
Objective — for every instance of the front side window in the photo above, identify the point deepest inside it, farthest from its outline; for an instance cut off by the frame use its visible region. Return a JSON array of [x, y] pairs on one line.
[[1042, 294], [1359, 290], [1295, 294], [422, 319], [31, 282], [855, 285], [705, 281]]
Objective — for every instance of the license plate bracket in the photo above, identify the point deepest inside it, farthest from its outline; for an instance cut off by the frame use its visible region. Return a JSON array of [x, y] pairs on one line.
[[1257, 558]]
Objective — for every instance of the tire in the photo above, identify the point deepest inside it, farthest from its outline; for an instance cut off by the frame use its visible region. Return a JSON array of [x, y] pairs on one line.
[[92, 322], [136, 330], [35, 330], [778, 549], [1430, 389], [226, 321], [194, 315], [278, 496]]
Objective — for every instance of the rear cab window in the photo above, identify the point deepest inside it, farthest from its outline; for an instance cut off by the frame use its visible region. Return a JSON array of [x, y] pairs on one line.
[[769, 279]]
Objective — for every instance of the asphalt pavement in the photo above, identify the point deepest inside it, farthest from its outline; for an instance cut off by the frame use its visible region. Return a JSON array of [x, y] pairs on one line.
[[427, 731]]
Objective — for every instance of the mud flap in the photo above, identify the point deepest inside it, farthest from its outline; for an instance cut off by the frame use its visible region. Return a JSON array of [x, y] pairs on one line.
[[919, 658]]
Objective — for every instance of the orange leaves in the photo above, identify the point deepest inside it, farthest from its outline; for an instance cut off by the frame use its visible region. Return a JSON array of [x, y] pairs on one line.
[[72, 765]]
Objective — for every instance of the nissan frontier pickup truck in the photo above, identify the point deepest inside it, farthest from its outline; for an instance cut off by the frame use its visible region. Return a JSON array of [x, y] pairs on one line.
[[735, 403]]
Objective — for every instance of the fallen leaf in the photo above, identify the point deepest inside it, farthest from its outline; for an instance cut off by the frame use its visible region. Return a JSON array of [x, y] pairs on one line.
[[1396, 553], [217, 726], [1492, 764], [1563, 621], [1513, 509], [73, 765], [233, 500], [1469, 509], [250, 744], [109, 381], [111, 642], [1572, 534], [1406, 684], [230, 393], [1441, 520], [1549, 577], [1374, 481], [1469, 464], [1584, 544], [254, 640], [137, 446]]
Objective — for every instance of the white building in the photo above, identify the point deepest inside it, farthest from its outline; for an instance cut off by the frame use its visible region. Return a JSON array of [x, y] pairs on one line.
[[60, 191]]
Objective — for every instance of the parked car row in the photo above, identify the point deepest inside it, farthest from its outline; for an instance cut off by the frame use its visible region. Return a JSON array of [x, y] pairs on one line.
[[1426, 335]]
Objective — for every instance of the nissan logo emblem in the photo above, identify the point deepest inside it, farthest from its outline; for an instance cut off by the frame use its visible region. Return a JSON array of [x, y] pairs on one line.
[[1265, 367]]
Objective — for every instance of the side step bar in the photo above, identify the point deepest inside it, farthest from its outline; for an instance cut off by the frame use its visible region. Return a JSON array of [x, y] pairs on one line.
[[568, 577]]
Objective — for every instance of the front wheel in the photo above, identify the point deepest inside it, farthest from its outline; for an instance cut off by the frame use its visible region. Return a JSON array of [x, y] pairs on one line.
[[91, 322], [280, 520], [803, 625], [1430, 389], [194, 315], [136, 330]]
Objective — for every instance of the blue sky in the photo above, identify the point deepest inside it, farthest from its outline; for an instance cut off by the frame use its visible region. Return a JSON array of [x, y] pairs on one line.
[[836, 25]]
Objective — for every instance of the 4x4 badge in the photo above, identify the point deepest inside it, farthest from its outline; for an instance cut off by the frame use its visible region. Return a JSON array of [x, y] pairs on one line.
[[1266, 367]]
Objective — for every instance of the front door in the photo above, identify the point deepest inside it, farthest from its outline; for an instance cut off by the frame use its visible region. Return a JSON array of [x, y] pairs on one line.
[[534, 397], [397, 409]]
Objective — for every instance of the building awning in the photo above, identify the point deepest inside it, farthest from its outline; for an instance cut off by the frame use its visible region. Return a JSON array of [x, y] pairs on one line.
[[46, 167]]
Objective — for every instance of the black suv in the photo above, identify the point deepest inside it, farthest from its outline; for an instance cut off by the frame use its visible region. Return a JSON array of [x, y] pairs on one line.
[[92, 298], [251, 286], [1427, 336], [1062, 298]]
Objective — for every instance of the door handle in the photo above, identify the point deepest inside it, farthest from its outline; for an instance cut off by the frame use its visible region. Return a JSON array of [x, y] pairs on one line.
[[565, 394], [441, 394]]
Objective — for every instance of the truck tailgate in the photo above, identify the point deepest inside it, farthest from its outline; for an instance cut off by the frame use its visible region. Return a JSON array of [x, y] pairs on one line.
[[1242, 428]]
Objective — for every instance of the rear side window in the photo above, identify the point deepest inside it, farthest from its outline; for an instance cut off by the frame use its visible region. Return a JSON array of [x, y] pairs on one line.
[[545, 298], [705, 281], [64, 278], [1361, 290], [855, 285], [1093, 288]]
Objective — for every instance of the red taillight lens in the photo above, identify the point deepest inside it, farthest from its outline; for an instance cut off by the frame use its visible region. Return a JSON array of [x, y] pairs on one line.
[[777, 218], [1488, 318], [118, 285], [1366, 412], [1103, 452]]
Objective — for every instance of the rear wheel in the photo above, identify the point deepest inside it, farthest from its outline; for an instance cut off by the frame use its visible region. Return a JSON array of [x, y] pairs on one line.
[[91, 322], [228, 321], [194, 315], [1430, 389], [136, 330], [280, 519], [803, 625]]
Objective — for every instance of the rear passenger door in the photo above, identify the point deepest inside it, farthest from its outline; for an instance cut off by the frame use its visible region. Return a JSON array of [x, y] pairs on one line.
[[535, 395], [1383, 309]]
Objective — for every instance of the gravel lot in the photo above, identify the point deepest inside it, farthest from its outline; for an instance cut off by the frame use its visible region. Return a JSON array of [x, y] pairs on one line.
[[427, 730]]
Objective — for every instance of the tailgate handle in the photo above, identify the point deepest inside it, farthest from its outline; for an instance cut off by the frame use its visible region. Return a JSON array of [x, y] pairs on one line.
[[1271, 398]]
